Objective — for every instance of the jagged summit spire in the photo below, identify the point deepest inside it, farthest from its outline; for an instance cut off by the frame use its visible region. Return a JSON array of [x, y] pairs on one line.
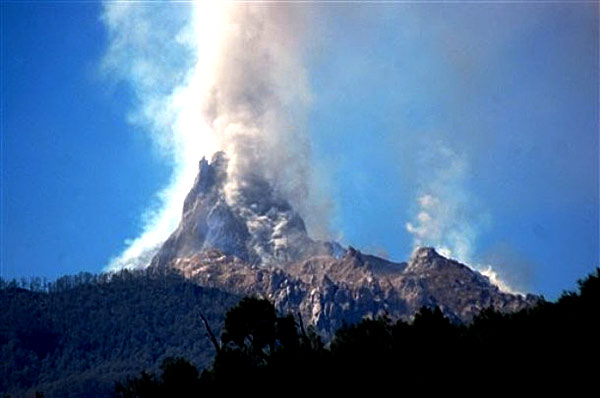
[[254, 223], [424, 252]]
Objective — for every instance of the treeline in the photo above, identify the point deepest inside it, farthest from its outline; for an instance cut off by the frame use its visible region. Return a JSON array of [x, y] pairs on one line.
[[68, 282], [77, 336], [262, 352]]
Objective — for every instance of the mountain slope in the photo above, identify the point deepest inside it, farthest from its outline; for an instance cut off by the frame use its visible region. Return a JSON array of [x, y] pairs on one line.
[[86, 332], [250, 222], [254, 243]]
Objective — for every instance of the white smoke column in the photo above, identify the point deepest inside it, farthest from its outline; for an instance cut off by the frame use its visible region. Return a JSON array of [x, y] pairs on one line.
[[211, 76], [166, 54], [258, 109], [447, 217], [260, 96]]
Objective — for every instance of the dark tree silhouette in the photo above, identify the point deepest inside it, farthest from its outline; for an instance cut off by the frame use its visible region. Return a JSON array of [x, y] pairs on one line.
[[265, 352], [80, 335]]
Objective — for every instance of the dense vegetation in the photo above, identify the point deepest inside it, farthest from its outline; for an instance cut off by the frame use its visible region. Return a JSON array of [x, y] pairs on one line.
[[259, 351], [77, 336]]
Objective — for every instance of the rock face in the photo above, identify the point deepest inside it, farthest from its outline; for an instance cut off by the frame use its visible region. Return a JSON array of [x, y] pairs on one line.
[[252, 224], [258, 245]]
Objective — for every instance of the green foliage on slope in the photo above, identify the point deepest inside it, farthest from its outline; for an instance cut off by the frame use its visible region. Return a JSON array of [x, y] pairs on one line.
[[77, 336]]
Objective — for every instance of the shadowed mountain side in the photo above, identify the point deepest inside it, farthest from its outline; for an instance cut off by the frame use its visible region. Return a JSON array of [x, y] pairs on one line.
[[84, 332], [266, 352], [249, 221]]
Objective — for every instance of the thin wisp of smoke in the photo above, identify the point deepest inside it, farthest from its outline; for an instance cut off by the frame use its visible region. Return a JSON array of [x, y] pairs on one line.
[[446, 215], [444, 218]]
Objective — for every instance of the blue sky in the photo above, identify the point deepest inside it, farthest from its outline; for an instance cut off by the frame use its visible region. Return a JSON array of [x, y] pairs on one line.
[[507, 93]]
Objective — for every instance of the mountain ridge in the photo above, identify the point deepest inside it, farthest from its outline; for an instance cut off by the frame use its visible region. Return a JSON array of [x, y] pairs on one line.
[[251, 241]]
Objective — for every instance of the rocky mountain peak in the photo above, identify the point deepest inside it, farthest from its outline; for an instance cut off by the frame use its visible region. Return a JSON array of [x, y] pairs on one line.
[[424, 253], [247, 219], [353, 256], [211, 178], [241, 236]]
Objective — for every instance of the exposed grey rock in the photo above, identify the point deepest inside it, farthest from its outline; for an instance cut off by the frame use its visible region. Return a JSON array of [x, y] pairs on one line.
[[256, 226], [258, 245], [329, 291]]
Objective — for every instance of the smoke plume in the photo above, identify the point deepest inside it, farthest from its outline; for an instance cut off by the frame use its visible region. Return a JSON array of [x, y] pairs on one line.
[[210, 76]]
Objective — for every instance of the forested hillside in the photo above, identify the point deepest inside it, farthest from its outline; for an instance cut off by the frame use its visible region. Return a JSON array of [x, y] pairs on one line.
[[552, 344], [77, 336]]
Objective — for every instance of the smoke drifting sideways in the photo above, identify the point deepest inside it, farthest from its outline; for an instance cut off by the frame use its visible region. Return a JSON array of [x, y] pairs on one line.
[[213, 76], [447, 216]]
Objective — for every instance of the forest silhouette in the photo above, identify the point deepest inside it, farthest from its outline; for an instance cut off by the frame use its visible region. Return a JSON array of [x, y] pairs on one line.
[[262, 352]]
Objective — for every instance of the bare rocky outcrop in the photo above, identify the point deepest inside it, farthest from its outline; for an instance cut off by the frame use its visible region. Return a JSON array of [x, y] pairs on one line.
[[255, 224], [258, 245]]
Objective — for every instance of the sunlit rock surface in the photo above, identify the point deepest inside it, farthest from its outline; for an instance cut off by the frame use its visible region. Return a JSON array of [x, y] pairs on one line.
[[258, 245], [256, 225]]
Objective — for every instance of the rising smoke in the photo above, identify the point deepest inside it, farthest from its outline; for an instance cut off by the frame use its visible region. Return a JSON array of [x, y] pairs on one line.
[[447, 216], [444, 217], [211, 76]]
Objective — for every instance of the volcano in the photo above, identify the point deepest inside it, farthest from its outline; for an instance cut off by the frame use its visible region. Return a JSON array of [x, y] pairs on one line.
[[252, 242]]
